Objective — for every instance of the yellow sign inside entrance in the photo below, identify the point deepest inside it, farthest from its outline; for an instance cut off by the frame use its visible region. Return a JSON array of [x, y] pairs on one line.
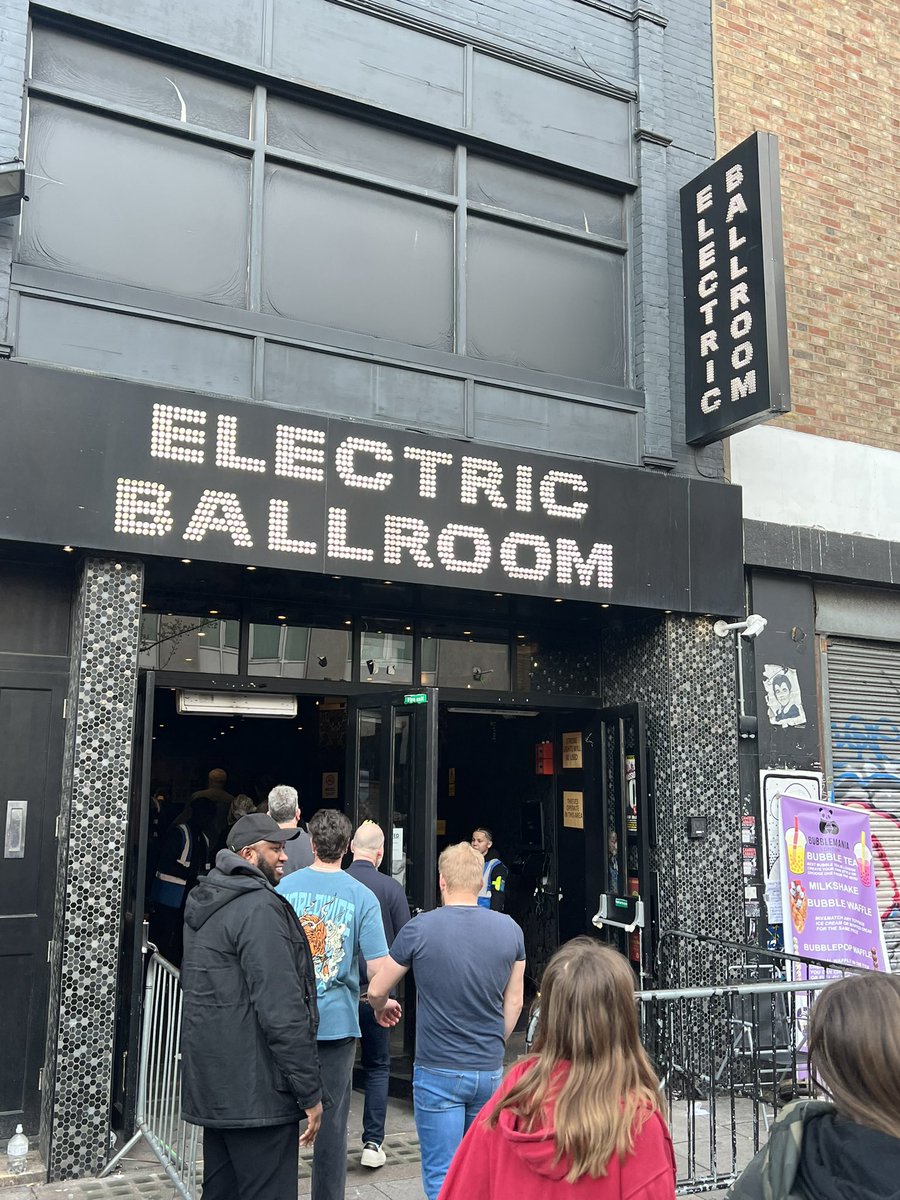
[[573, 810], [571, 750]]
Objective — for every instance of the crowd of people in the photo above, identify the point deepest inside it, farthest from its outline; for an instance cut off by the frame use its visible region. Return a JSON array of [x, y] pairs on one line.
[[289, 961]]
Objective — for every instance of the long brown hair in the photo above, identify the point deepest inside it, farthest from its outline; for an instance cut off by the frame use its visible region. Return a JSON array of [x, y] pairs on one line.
[[854, 1048], [588, 1026]]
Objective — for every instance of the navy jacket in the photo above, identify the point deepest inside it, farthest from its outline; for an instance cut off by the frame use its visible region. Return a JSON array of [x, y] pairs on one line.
[[391, 897]]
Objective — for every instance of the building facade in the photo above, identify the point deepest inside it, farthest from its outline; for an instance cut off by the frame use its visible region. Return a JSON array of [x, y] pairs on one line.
[[346, 448], [820, 486]]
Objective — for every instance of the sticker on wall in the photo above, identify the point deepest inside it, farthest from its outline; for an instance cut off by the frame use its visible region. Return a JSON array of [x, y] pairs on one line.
[[573, 810], [783, 699]]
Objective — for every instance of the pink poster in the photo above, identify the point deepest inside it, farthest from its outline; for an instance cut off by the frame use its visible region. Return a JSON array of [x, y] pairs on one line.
[[828, 885]]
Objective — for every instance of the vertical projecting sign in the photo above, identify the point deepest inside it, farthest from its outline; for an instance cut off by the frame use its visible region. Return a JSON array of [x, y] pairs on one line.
[[735, 323]]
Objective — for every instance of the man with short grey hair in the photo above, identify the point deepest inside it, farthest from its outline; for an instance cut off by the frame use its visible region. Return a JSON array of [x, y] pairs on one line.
[[284, 809]]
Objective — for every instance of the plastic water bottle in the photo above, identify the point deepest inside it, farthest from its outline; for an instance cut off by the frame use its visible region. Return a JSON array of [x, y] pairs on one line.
[[17, 1152]]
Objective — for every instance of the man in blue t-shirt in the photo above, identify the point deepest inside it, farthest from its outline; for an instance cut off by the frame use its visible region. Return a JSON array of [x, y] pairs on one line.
[[341, 919], [469, 965]]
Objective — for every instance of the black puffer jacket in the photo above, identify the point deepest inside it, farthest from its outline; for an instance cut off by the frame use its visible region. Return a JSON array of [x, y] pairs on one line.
[[250, 1018]]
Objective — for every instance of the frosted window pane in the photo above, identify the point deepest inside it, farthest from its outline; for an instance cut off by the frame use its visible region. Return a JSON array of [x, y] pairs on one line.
[[365, 147], [504, 187], [545, 303], [114, 201], [354, 258], [164, 89]]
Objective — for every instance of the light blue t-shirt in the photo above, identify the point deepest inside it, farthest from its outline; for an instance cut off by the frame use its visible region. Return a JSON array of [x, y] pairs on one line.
[[462, 957], [340, 918]]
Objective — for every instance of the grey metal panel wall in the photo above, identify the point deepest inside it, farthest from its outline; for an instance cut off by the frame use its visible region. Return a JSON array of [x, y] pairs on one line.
[[864, 722]]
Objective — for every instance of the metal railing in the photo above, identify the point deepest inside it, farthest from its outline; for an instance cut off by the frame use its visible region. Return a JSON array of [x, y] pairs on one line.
[[174, 1142], [731, 1052]]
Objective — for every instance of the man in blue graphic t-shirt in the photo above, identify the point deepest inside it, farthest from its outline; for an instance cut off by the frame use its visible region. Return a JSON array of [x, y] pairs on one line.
[[469, 965], [341, 919]]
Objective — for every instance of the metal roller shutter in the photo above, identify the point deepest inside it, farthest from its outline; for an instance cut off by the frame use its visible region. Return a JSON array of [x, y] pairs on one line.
[[864, 719]]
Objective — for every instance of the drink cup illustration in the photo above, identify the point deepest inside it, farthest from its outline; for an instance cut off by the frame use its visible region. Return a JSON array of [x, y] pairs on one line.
[[796, 848], [863, 857]]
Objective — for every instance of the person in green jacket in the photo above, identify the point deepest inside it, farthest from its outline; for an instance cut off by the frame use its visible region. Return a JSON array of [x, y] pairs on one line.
[[847, 1148]]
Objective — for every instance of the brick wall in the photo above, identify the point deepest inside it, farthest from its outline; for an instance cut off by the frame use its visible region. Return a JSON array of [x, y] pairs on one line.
[[825, 76]]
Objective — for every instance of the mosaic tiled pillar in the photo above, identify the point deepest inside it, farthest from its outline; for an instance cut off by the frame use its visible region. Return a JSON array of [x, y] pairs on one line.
[[685, 676], [92, 839]]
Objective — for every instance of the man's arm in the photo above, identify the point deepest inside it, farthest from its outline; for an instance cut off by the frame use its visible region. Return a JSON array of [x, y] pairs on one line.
[[384, 975], [513, 997]]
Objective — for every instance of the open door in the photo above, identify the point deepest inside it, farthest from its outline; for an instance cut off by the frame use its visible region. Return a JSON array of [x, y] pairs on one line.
[[392, 772], [603, 778], [130, 989]]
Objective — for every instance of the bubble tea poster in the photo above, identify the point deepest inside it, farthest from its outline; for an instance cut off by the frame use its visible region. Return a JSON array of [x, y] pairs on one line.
[[828, 883]]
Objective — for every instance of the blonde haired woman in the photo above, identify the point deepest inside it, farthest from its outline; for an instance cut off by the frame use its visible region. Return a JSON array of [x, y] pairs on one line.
[[848, 1149], [581, 1116]]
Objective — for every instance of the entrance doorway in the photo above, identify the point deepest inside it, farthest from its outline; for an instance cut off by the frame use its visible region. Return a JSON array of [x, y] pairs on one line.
[[551, 784]]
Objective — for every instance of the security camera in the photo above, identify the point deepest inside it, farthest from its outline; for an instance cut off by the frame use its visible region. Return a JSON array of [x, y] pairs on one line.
[[322, 660], [478, 674], [751, 628]]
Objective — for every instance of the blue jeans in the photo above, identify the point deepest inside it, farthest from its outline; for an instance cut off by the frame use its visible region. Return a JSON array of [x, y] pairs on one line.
[[446, 1104], [376, 1065]]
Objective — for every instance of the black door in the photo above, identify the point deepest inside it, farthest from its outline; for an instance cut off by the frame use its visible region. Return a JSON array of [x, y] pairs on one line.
[[603, 785], [392, 772], [31, 744], [132, 957]]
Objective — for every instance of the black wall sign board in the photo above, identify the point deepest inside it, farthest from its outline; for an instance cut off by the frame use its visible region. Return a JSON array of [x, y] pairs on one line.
[[735, 322], [106, 465]]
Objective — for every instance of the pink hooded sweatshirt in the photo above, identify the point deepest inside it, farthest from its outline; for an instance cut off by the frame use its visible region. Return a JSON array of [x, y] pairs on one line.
[[508, 1163]]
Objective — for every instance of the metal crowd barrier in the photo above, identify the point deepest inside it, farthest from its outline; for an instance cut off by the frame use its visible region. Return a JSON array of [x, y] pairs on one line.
[[174, 1142], [731, 1052]]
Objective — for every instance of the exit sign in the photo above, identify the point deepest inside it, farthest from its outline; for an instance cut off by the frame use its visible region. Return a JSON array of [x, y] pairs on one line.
[[416, 698]]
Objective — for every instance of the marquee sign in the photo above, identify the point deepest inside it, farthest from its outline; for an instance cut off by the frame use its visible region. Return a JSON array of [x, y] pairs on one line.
[[106, 465], [735, 322]]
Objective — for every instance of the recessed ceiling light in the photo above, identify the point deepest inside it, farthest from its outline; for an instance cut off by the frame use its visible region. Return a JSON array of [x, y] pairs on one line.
[[188, 660], [558, 600], [68, 549], [388, 582], [185, 560], [604, 606], [348, 622], [213, 612], [467, 633], [408, 628], [520, 635], [499, 594], [251, 568], [281, 617]]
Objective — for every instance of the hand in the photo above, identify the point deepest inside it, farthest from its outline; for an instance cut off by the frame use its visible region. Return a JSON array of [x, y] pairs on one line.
[[313, 1121], [390, 1014]]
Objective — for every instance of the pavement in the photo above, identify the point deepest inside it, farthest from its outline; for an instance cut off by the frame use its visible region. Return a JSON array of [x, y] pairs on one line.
[[705, 1137], [141, 1177]]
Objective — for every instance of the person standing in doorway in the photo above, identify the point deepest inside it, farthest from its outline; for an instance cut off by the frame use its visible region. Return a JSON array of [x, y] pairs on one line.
[[341, 919], [494, 872], [183, 857], [284, 809], [368, 851], [249, 1066], [469, 965]]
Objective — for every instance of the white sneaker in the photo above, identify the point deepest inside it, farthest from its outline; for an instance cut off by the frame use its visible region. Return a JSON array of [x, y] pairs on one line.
[[373, 1155]]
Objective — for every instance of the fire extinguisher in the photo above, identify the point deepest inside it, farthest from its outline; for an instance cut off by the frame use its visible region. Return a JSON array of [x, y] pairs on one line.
[[634, 938]]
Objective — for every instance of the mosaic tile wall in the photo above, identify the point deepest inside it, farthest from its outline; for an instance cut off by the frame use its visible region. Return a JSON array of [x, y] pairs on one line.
[[93, 826], [686, 678]]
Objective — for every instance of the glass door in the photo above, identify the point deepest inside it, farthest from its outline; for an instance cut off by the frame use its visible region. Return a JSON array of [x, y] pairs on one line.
[[392, 771]]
